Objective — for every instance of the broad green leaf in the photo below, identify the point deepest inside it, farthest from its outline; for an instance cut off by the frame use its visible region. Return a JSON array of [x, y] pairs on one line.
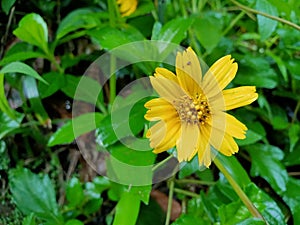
[[236, 212], [77, 19], [101, 183], [74, 192], [256, 71], [21, 56], [128, 166], [235, 169], [127, 209], [7, 124], [279, 118], [188, 219], [254, 133], [266, 26], [6, 5], [4, 106], [189, 168], [74, 222], [19, 67], [31, 93], [56, 81], [34, 194], [196, 212], [156, 30], [75, 127], [252, 221], [280, 63], [174, 31], [106, 132], [293, 158], [106, 36], [266, 162], [29, 220], [151, 214], [292, 198], [208, 29], [33, 29], [82, 88], [294, 132]]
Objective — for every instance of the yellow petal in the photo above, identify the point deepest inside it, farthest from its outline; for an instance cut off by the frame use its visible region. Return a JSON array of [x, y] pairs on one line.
[[240, 96], [219, 75], [160, 109], [187, 142], [163, 131], [166, 73], [127, 7], [188, 72], [204, 157], [228, 124], [166, 88], [229, 146], [169, 141]]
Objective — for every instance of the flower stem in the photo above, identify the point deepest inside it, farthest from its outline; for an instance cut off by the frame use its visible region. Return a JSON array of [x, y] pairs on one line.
[[289, 23], [170, 200], [187, 193], [244, 198], [112, 80], [191, 181]]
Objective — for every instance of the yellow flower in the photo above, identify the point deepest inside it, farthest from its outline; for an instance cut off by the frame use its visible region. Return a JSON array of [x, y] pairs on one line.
[[191, 110], [127, 7]]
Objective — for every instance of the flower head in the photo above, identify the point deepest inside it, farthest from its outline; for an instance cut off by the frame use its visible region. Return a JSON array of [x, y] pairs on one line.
[[191, 110], [127, 7]]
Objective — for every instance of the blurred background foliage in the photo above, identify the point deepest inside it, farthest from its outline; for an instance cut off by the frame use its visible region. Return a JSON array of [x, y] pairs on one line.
[[46, 46]]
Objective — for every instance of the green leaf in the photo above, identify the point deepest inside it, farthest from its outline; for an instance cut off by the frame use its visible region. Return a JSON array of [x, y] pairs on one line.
[[293, 158], [56, 81], [29, 220], [7, 124], [82, 88], [188, 219], [189, 168], [77, 19], [174, 31], [106, 36], [6, 5], [19, 67], [266, 26], [74, 192], [266, 162], [127, 209], [255, 70], [236, 212], [39, 200], [255, 133], [75, 127], [128, 166], [33, 29], [74, 222], [294, 132], [208, 29], [235, 169], [4, 106], [31, 92], [292, 198], [106, 133], [151, 214], [21, 56]]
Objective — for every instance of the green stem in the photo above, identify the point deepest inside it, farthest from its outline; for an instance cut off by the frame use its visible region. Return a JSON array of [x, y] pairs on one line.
[[112, 80], [244, 198], [233, 22], [289, 23], [187, 193], [170, 200], [191, 181], [161, 163], [296, 112]]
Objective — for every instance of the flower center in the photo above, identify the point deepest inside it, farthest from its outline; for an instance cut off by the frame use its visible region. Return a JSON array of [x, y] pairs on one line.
[[194, 110]]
